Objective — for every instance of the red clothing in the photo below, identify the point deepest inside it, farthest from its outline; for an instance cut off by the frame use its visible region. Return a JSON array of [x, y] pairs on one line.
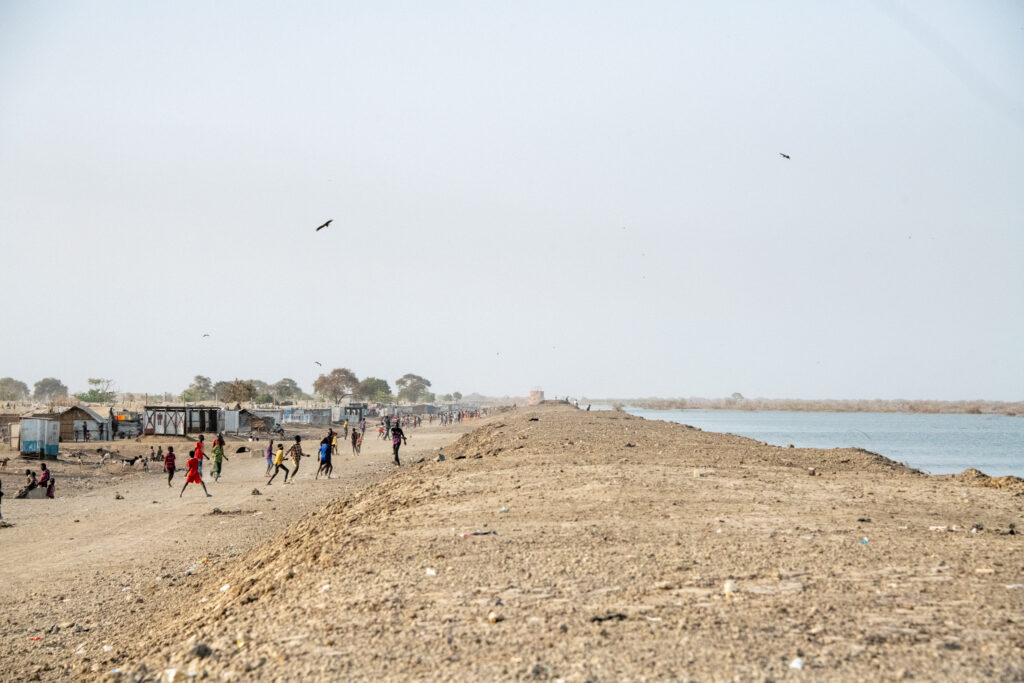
[[169, 462], [193, 472], [199, 450]]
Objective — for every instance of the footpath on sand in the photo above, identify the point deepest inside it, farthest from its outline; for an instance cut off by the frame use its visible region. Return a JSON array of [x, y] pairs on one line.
[[562, 544]]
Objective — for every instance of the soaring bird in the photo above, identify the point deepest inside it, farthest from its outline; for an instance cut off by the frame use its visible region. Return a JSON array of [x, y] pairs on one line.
[[318, 363], [784, 156], [206, 335], [323, 226]]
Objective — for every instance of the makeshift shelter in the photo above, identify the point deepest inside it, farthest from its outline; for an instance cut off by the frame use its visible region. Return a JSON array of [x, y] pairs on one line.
[[245, 421], [79, 423], [182, 420], [314, 417], [39, 437]]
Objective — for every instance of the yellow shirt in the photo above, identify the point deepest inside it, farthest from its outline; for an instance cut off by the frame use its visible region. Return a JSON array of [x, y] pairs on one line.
[[279, 456], [334, 441]]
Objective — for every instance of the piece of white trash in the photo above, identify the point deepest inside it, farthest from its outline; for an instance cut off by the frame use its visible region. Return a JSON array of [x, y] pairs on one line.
[[224, 587], [796, 664], [431, 572]]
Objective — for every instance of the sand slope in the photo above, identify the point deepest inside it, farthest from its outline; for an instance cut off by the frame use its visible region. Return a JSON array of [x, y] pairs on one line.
[[611, 562]]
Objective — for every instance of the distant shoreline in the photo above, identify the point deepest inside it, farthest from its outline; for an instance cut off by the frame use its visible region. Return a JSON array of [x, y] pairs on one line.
[[1008, 409]]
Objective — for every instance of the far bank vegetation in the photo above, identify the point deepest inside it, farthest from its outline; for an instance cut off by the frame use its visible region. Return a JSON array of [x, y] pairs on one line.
[[876, 405]]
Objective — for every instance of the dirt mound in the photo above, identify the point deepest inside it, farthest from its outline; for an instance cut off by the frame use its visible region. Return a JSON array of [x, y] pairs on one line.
[[976, 477], [556, 543]]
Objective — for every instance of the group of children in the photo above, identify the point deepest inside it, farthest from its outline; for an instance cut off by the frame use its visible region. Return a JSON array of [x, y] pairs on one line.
[[194, 464], [44, 481]]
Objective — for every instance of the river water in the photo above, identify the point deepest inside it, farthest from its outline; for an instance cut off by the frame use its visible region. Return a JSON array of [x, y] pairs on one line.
[[937, 444]]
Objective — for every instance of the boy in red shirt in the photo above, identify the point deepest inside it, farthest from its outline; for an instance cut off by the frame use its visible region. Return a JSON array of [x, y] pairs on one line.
[[193, 476], [169, 464]]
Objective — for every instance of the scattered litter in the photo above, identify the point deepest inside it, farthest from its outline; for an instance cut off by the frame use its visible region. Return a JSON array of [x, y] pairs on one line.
[[503, 509], [796, 664], [1015, 585], [534, 419], [863, 519], [192, 569], [810, 470], [718, 530], [653, 618], [480, 533], [613, 616], [205, 559], [256, 514], [108, 648], [494, 617], [865, 541], [126, 588], [118, 496], [630, 445], [325, 587], [937, 528], [730, 588], [256, 492], [440, 457], [224, 587], [431, 572], [202, 599], [984, 570], [36, 638]]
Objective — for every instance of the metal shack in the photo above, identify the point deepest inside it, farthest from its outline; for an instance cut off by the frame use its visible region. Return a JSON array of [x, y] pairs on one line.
[[314, 417], [272, 417], [353, 412], [245, 421], [182, 420], [39, 437]]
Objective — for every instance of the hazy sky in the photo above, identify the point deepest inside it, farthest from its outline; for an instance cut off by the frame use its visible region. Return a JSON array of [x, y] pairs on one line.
[[582, 196]]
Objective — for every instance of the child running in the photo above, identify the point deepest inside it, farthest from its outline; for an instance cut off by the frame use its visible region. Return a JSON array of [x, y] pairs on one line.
[[296, 452], [218, 456], [169, 464], [325, 459], [193, 476], [279, 465]]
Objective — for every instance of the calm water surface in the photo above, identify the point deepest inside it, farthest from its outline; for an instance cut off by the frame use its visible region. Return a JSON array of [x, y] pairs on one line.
[[938, 444]]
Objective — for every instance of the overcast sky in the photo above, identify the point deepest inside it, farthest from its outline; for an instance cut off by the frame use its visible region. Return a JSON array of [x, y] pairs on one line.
[[586, 197]]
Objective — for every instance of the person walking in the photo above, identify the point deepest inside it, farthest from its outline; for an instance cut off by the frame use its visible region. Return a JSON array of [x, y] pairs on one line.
[[354, 437], [218, 457], [397, 440], [270, 457], [169, 464], [200, 454]]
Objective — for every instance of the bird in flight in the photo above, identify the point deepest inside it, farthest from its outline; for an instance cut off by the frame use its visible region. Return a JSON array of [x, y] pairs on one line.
[[323, 226], [784, 156], [206, 335], [318, 363]]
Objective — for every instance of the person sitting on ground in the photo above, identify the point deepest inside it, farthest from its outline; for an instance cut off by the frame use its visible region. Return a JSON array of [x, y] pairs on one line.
[[30, 483]]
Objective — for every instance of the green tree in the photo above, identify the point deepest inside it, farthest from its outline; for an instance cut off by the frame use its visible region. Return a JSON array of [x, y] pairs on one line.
[[373, 389], [49, 388], [337, 384], [457, 395], [100, 391], [286, 389], [221, 390], [12, 390], [411, 387], [428, 397], [241, 391], [447, 398], [201, 389]]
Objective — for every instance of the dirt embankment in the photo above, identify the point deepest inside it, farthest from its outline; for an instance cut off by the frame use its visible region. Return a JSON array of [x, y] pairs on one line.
[[561, 544]]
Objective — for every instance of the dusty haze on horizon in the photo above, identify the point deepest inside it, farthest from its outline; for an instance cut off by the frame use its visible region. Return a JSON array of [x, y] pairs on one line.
[[586, 197]]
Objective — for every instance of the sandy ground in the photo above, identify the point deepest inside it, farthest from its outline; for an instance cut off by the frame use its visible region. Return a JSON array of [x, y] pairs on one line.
[[550, 544], [88, 566]]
